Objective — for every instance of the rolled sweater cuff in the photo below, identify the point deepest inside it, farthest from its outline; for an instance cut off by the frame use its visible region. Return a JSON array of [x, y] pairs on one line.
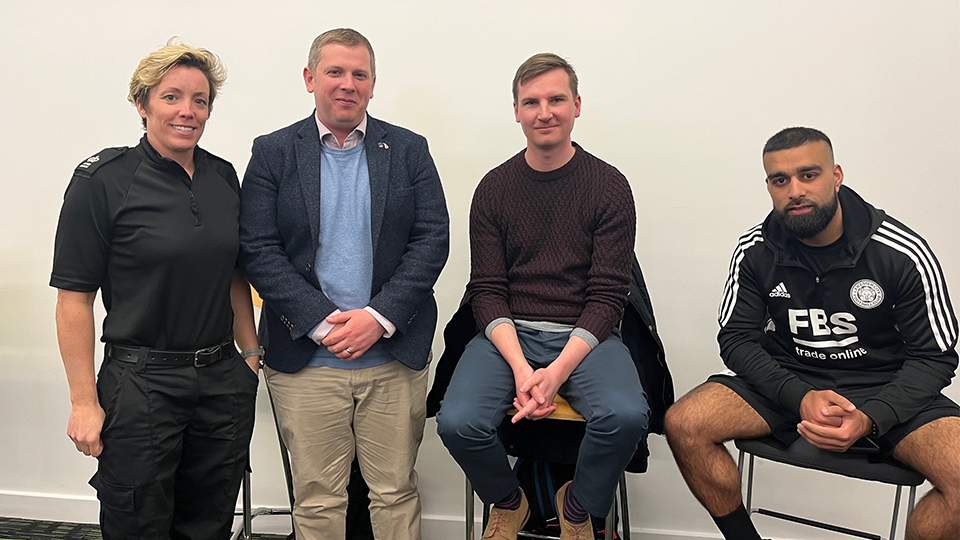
[[598, 326], [488, 312], [495, 323], [585, 335]]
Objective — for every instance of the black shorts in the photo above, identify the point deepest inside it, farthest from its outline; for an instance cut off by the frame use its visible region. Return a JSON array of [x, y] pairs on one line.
[[783, 423]]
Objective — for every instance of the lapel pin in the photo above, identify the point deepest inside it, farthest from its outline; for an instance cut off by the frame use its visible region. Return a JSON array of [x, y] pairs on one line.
[[384, 145]]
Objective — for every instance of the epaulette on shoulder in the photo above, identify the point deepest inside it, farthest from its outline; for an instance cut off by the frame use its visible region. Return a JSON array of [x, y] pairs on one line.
[[215, 157], [88, 166], [219, 162]]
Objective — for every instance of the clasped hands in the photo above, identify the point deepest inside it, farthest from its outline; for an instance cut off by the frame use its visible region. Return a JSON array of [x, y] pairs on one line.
[[356, 330], [535, 392], [829, 421]]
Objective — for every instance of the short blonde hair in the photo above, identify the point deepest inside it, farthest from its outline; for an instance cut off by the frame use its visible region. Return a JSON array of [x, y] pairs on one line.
[[175, 53], [539, 64], [344, 36]]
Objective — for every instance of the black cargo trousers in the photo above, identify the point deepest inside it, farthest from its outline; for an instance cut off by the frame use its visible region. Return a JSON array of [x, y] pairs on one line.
[[175, 445]]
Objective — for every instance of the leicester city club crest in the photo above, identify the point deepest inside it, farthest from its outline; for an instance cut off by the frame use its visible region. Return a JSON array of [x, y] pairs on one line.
[[866, 294]]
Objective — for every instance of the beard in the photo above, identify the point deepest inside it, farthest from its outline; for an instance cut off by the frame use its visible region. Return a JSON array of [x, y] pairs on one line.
[[810, 224]]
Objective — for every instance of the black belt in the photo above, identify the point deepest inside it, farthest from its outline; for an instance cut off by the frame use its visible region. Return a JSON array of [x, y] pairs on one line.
[[199, 358]]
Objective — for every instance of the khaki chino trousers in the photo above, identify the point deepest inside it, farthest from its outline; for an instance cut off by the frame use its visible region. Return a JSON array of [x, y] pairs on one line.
[[327, 415]]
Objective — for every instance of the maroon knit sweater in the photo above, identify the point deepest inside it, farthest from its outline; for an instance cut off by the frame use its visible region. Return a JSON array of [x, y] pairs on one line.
[[552, 246]]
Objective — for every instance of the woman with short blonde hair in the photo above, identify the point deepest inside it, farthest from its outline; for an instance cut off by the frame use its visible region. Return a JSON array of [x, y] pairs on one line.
[[154, 229]]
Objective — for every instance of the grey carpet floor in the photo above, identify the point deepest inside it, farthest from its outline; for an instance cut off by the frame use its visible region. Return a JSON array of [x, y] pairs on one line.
[[28, 529]]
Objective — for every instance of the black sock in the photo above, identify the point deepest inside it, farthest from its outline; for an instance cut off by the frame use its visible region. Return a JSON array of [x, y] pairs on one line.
[[737, 525], [510, 502]]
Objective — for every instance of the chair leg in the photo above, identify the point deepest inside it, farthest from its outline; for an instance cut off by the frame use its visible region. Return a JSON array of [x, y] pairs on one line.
[[826, 526], [611, 521], [624, 508], [244, 532], [285, 459], [896, 513], [248, 512], [247, 507], [911, 500], [469, 509], [750, 465]]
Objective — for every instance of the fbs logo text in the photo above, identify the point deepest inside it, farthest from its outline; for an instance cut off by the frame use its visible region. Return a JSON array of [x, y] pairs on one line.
[[821, 327]]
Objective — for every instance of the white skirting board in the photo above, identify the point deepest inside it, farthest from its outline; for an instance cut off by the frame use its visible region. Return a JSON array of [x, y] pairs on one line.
[[85, 509], [49, 506], [452, 528]]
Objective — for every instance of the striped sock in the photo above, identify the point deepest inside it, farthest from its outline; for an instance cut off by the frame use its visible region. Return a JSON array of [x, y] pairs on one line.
[[573, 513], [510, 502]]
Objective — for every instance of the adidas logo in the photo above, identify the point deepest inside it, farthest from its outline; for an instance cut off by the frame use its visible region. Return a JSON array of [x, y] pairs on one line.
[[780, 291]]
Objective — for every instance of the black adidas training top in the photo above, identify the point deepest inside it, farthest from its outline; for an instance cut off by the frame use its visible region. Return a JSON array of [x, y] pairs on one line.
[[879, 316]]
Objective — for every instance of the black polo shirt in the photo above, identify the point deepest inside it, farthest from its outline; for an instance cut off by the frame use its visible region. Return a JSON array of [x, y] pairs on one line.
[[160, 247]]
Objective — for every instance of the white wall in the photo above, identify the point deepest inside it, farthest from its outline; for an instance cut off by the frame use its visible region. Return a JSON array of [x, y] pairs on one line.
[[679, 95]]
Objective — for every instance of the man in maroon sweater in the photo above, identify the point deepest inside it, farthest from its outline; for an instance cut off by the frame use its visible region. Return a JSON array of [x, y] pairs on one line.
[[551, 237]]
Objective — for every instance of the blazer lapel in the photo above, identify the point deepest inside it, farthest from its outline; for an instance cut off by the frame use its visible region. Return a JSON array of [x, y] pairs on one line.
[[378, 167], [308, 166]]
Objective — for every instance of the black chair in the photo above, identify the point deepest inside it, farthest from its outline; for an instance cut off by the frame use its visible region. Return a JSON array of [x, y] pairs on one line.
[[245, 532], [853, 463]]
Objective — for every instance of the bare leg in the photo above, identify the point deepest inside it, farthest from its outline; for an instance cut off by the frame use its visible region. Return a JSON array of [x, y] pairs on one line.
[[697, 426], [934, 451]]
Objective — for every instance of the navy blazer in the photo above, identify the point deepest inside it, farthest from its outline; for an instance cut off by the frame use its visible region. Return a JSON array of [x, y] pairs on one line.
[[280, 230]]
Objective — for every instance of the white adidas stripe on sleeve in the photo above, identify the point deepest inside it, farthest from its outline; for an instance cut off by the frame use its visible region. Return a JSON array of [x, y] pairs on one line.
[[942, 323], [732, 286]]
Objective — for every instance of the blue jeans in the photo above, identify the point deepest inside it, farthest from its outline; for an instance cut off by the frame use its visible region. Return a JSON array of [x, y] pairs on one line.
[[605, 389]]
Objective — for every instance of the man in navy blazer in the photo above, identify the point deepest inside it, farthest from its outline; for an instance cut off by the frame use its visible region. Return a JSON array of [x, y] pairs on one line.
[[344, 231]]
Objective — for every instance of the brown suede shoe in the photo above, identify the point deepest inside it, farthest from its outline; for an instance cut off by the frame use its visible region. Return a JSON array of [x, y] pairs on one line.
[[505, 524], [570, 531]]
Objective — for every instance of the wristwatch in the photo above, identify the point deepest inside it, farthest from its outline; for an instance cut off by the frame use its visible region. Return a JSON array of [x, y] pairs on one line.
[[252, 352]]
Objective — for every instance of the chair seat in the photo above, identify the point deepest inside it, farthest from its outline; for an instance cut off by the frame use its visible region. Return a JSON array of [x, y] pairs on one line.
[[852, 464], [563, 411]]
